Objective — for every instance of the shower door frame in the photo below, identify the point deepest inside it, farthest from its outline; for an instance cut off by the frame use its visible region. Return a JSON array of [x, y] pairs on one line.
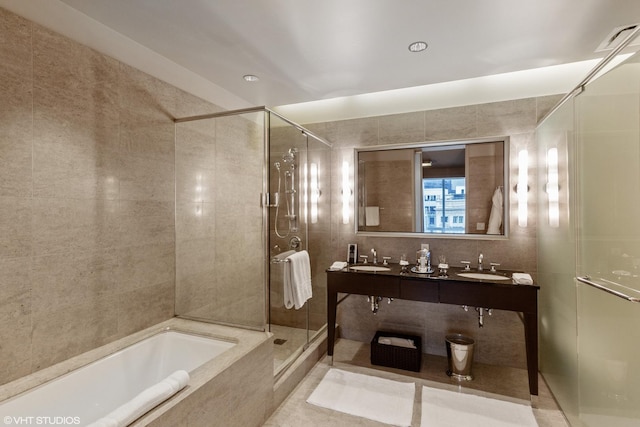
[[305, 153]]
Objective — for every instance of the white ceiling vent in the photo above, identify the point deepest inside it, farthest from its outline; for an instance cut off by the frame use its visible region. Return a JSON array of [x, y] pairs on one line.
[[616, 36]]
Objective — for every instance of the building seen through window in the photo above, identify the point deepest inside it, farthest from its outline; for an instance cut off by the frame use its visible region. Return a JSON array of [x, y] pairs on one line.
[[444, 207]]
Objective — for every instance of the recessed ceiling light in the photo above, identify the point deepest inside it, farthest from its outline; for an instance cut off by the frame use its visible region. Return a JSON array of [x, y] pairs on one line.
[[250, 78], [417, 46]]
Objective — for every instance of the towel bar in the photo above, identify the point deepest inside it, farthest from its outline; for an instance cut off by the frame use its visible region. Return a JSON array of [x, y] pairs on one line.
[[282, 257], [588, 281]]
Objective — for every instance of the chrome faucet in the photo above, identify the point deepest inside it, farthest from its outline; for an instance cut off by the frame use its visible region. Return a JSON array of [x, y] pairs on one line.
[[375, 255], [480, 262]]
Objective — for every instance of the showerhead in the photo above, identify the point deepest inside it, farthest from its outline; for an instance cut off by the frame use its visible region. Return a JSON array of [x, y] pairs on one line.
[[289, 156]]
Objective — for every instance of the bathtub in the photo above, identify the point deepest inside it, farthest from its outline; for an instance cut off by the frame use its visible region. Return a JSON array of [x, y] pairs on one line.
[[88, 393]]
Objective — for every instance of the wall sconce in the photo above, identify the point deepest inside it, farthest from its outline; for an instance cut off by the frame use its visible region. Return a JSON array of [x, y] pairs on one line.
[[198, 195], [315, 192], [305, 191], [346, 193], [522, 188], [553, 187]]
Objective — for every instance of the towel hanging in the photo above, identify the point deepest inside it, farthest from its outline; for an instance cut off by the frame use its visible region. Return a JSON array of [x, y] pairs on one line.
[[372, 216], [495, 217], [297, 280]]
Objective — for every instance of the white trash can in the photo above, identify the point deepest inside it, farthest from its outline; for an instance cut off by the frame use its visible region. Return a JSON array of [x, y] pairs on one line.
[[460, 356]]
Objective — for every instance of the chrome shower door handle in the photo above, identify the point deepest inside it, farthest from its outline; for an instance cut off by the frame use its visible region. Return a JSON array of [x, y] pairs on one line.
[[265, 200]]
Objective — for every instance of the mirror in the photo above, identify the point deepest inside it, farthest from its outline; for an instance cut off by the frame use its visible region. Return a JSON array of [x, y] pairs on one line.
[[446, 188]]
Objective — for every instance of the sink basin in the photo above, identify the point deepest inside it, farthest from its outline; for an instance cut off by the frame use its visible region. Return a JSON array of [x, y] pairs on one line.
[[483, 276], [369, 268]]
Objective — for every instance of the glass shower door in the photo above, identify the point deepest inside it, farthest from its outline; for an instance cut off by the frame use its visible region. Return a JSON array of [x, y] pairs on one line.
[[298, 220], [557, 261], [608, 141], [219, 256]]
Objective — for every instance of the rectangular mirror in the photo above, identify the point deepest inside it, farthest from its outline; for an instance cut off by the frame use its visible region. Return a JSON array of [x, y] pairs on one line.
[[435, 189]]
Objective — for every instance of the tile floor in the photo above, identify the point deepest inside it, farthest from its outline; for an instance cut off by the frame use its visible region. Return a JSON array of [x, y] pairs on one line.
[[294, 339], [491, 381]]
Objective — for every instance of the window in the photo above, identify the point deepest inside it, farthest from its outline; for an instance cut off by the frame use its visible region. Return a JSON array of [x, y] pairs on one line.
[[444, 205]]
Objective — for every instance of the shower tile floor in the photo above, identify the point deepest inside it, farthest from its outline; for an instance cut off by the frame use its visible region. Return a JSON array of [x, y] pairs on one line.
[[491, 381], [294, 338]]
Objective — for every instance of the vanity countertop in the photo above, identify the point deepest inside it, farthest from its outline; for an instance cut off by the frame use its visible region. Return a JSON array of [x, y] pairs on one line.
[[453, 274]]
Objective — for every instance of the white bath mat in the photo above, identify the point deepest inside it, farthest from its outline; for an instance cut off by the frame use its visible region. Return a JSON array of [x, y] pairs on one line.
[[377, 399], [443, 408]]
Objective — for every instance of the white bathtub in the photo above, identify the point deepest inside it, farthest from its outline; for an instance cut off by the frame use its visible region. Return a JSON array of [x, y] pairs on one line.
[[89, 393]]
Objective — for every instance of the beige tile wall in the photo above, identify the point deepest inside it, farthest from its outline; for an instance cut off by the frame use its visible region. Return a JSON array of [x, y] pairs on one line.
[[501, 341], [219, 220], [390, 187], [87, 199], [88, 211], [484, 175]]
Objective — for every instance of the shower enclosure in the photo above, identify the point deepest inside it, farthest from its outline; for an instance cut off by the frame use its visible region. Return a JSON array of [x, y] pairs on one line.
[[299, 218], [249, 188], [589, 250]]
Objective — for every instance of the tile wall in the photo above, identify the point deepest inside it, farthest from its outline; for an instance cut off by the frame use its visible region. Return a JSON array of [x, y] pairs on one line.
[[219, 220], [394, 197], [88, 178], [87, 198], [501, 341]]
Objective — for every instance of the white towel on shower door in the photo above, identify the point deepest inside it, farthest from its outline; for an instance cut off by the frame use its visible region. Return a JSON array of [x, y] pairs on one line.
[[297, 280]]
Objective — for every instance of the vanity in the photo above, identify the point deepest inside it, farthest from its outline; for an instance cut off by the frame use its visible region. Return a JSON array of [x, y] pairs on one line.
[[486, 292]]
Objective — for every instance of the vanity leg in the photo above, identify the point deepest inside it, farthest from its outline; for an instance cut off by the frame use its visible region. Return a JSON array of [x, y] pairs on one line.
[[332, 303], [534, 401], [531, 340]]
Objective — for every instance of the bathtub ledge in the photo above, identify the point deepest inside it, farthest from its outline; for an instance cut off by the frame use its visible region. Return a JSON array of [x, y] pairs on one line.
[[244, 340]]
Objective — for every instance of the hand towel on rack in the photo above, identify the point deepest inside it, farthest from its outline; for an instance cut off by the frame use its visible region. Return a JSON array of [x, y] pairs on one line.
[[372, 216], [297, 280]]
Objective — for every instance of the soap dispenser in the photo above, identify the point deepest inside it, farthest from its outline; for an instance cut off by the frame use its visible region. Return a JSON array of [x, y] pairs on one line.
[[424, 259]]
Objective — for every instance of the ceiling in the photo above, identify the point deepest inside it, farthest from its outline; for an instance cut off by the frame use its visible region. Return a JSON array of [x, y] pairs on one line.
[[306, 50]]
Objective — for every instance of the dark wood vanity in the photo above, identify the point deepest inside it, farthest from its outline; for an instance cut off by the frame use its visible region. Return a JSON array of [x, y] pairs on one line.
[[453, 289]]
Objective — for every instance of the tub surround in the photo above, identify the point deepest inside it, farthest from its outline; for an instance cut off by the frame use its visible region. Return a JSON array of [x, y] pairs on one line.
[[123, 386], [89, 225], [243, 372]]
